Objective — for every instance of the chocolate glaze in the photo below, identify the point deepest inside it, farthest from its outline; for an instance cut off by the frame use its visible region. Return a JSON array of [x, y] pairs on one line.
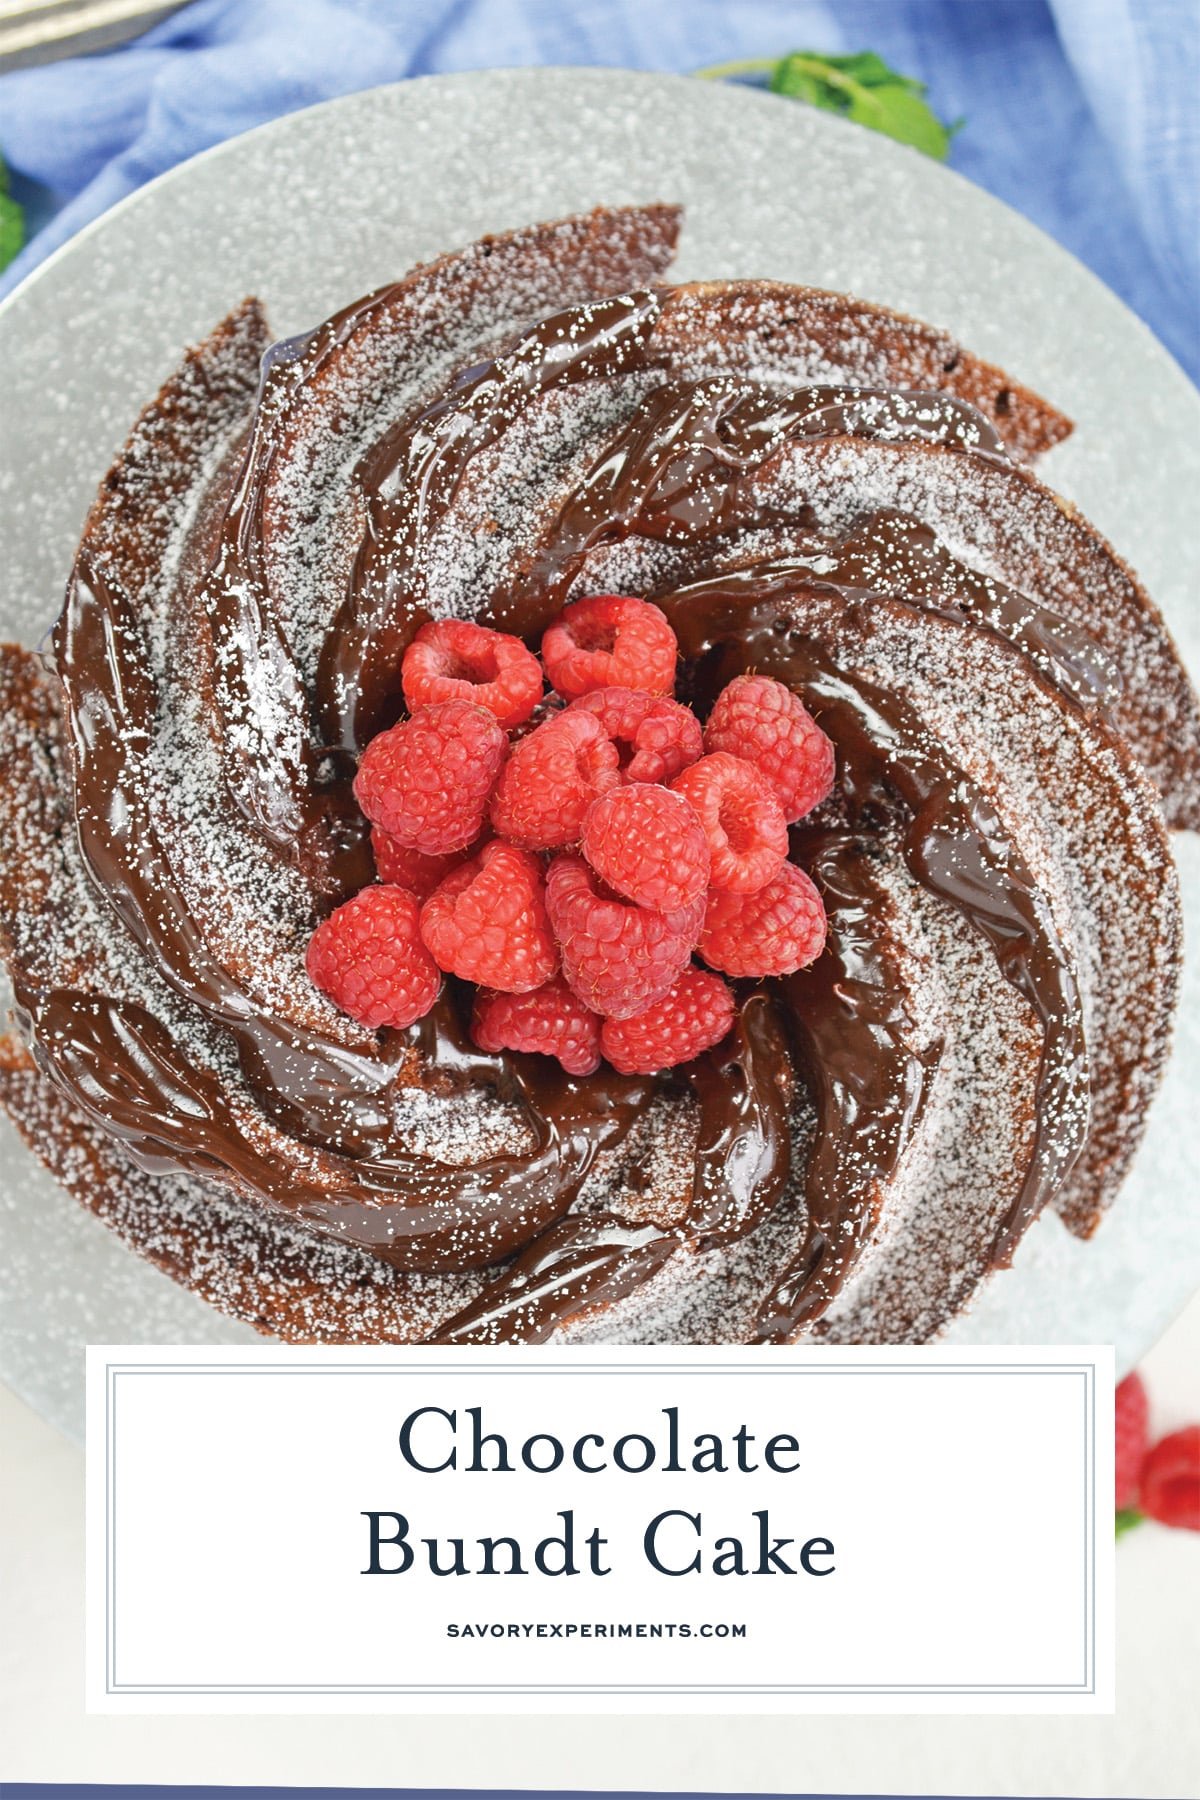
[[856, 1043], [897, 556], [957, 847], [683, 469], [276, 776], [741, 1166], [410, 479]]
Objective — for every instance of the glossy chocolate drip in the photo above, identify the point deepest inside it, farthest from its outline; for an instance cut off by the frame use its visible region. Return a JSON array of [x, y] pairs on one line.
[[740, 1168], [122, 1067], [954, 843], [895, 555], [680, 470], [856, 1042], [684, 469], [418, 1213], [275, 767], [410, 479], [118, 1061]]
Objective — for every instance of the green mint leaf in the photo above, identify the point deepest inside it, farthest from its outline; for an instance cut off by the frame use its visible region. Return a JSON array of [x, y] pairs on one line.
[[1127, 1518], [903, 115], [862, 87], [12, 221], [871, 71], [797, 78]]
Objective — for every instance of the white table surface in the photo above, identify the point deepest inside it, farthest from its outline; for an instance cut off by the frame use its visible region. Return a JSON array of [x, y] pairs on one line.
[[1150, 1750]]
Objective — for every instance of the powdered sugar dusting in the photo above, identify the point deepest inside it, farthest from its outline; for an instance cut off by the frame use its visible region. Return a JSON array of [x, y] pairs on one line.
[[1062, 783]]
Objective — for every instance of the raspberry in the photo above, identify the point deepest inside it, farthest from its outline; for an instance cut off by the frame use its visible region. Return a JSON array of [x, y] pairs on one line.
[[1133, 1415], [369, 959], [487, 922], [455, 659], [617, 957], [611, 640], [763, 721], [648, 844], [426, 782], [660, 737], [551, 1021], [694, 1016], [399, 866], [742, 819], [774, 932], [551, 779], [1171, 1480]]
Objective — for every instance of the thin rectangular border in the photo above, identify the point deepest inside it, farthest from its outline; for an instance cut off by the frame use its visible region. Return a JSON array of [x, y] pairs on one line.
[[1086, 1371]]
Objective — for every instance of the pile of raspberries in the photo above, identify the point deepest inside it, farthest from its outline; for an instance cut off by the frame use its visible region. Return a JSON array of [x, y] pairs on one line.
[[573, 867]]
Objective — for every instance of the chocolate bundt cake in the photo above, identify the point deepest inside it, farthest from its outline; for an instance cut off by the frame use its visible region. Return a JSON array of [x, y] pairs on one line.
[[808, 487]]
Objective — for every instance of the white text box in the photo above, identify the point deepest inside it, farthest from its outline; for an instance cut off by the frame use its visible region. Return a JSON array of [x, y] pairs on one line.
[[885, 1529]]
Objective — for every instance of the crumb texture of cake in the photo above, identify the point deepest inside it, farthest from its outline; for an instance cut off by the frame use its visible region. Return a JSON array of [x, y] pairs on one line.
[[808, 488]]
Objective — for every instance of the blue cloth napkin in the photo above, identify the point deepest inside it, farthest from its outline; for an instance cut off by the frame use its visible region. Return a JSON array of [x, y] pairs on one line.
[[1080, 113]]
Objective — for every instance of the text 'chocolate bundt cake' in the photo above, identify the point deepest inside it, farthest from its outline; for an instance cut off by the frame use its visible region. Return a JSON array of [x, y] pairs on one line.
[[724, 1140]]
